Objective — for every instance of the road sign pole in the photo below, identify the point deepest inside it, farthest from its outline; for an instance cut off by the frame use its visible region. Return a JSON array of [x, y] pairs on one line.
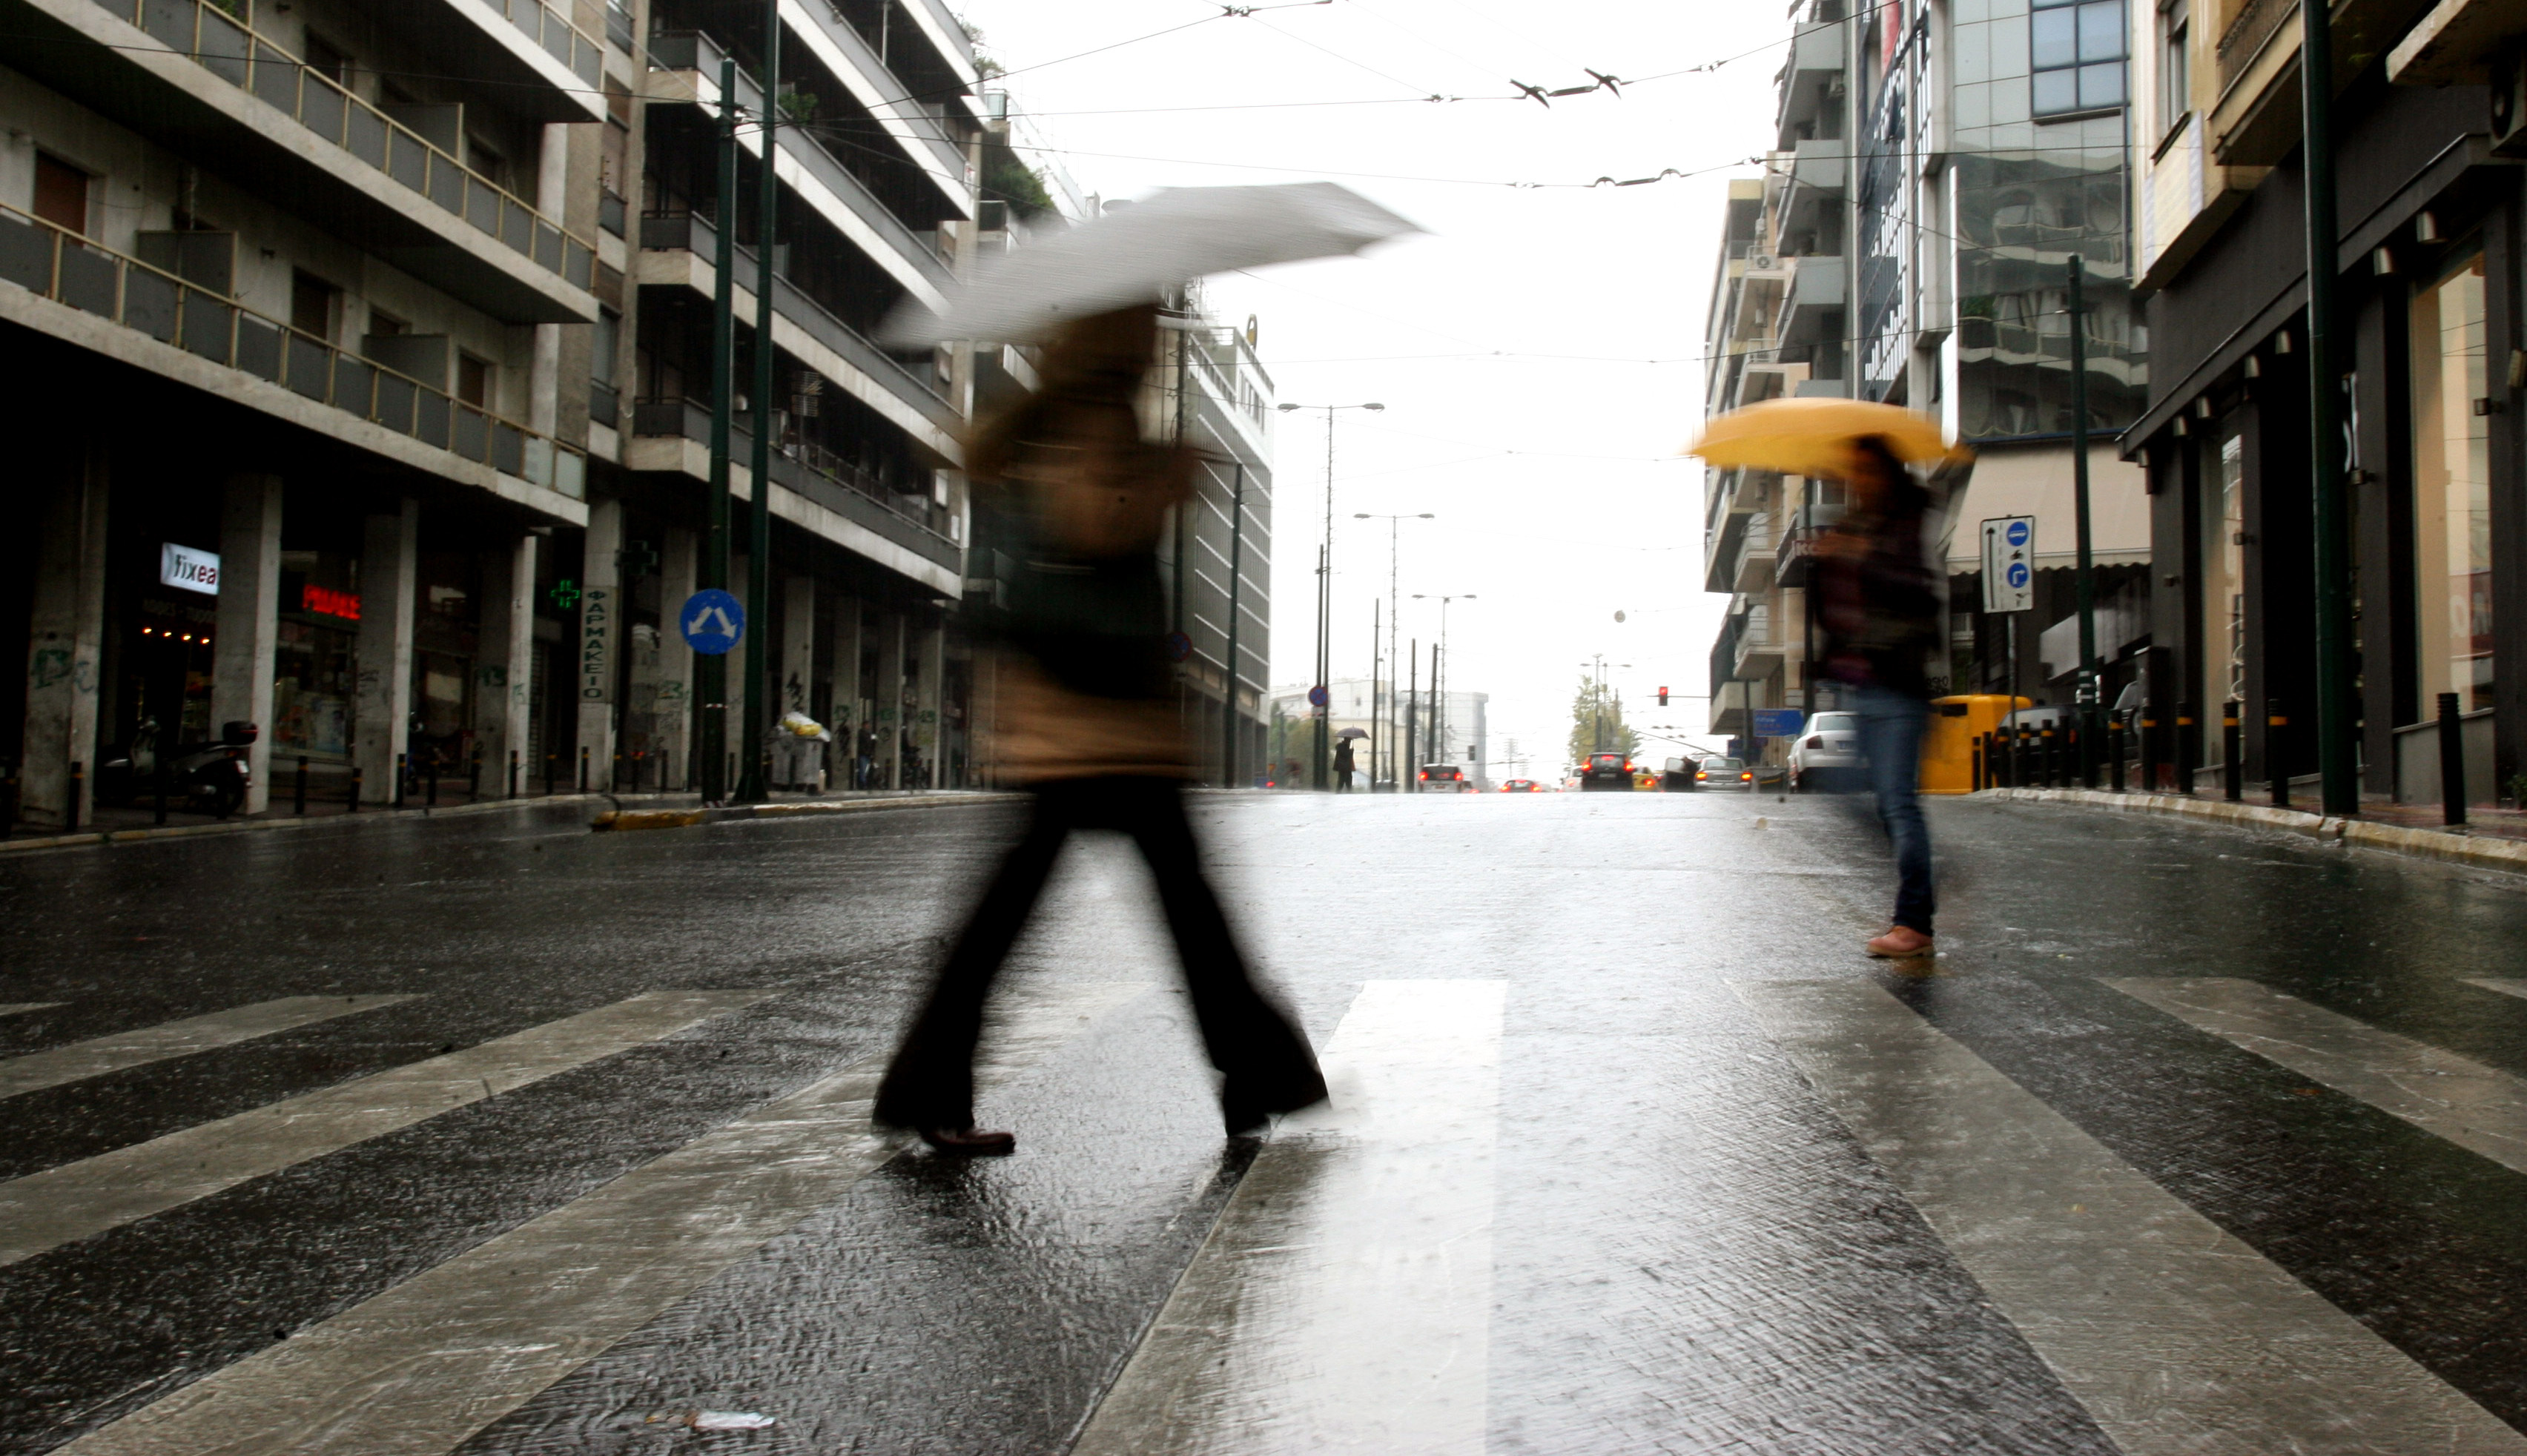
[[2092, 690], [751, 788], [710, 673]]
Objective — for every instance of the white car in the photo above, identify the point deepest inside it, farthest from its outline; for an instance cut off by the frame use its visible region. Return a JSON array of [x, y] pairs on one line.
[[1826, 755]]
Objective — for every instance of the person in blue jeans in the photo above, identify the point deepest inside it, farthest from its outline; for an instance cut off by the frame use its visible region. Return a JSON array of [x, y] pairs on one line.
[[1878, 605]]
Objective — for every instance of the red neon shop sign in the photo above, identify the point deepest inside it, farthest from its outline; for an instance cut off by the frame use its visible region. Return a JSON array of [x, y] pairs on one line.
[[326, 601]]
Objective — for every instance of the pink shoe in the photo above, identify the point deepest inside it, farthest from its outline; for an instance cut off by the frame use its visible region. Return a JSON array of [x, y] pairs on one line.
[[1901, 942]]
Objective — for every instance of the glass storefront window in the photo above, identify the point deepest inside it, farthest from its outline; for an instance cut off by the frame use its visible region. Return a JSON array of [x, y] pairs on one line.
[[2224, 587], [2451, 491], [311, 690]]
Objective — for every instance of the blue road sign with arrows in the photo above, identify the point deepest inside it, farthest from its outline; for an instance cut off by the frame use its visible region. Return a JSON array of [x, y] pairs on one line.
[[712, 622]]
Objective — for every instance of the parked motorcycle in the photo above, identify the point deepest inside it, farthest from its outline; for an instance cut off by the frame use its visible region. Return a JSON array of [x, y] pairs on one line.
[[207, 777]]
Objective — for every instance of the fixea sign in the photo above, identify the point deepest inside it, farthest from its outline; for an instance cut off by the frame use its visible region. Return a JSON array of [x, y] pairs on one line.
[[188, 570]]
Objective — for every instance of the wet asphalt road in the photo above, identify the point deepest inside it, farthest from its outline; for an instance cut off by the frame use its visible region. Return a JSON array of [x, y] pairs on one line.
[[2194, 1139]]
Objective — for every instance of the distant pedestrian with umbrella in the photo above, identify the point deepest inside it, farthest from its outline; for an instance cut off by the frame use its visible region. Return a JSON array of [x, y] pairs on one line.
[[1876, 596], [1088, 722], [1345, 764]]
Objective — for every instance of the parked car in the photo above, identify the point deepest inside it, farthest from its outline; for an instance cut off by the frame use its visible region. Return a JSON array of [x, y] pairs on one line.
[[1521, 787], [1606, 771], [1444, 779], [1826, 756], [1724, 772]]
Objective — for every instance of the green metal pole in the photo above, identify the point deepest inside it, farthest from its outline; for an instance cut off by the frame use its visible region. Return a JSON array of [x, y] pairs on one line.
[[2337, 765], [2089, 693], [710, 675], [751, 788], [1236, 564]]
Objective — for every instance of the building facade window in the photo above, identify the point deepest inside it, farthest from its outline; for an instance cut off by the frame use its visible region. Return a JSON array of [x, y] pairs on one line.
[[2175, 66], [60, 193], [2451, 490], [2076, 49]]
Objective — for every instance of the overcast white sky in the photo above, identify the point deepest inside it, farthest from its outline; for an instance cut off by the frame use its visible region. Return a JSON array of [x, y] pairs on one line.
[[1551, 467]]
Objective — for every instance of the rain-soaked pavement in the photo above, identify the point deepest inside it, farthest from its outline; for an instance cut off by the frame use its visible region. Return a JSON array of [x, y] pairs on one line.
[[494, 1136]]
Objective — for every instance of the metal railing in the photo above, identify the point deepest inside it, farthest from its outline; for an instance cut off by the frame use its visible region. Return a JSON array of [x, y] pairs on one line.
[[563, 41], [691, 420], [56, 264], [2245, 38], [222, 43]]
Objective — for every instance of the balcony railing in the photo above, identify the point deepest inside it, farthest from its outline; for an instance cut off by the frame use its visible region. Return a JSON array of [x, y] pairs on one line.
[[797, 461], [2245, 38], [49, 261], [223, 44], [563, 41]]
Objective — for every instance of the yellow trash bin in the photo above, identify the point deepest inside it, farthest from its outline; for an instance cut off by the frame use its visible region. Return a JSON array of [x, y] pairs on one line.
[[1948, 743]]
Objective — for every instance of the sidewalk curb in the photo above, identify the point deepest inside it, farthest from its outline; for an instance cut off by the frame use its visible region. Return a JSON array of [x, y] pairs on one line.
[[374, 815], [626, 820], [2486, 854]]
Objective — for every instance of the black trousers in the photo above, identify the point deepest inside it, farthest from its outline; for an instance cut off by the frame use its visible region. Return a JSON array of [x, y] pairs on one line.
[[1267, 1061]]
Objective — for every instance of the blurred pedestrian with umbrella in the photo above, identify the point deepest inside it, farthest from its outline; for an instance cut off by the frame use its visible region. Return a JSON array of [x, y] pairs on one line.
[[1087, 720], [1877, 595], [1345, 762]]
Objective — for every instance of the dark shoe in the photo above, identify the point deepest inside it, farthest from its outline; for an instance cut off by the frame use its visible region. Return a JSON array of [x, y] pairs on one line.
[[1248, 1110], [968, 1143]]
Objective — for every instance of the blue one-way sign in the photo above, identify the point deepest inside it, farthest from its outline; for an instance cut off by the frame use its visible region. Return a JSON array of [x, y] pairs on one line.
[[712, 622]]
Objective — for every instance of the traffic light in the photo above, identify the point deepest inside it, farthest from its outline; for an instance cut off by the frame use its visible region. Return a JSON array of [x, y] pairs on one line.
[[1662, 697]]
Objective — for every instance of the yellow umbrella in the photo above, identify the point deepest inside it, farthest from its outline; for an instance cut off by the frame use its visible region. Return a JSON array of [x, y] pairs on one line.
[[1812, 435]]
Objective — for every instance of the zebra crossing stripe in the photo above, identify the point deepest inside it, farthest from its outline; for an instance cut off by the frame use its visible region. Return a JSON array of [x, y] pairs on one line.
[[122, 1050], [2479, 1108], [1343, 1301], [44, 1210], [2179, 1338], [418, 1369], [2503, 985], [20, 1008]]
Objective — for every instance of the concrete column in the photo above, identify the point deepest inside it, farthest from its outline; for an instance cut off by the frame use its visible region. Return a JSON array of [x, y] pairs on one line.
[[886, 713], [504, 665], [600, 630], [930, 699], [844, 666], [381, 702], [64, 645], [671, 674], [802, 759], [249, 616], [544, 367]]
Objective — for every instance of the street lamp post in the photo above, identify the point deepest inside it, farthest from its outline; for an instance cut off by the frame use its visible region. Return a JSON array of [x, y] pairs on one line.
[[1325, 596], [1438, 702], [1388, 722]]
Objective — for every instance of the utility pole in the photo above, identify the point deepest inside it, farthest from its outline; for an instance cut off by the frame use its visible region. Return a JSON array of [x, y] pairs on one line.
[[1409, 779], [1374, 662], [2339, 789], [710, 676], [2091, 730], [751, 788], [1393, 614], [1325, 597]]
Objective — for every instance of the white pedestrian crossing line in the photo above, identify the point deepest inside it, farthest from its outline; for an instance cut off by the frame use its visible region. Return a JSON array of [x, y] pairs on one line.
[[20, 1008], [2503, 985], [418, 1369], [44, 1210], [127, 1049], [2176, 1335], [1343, 1301], [2479, 1108]]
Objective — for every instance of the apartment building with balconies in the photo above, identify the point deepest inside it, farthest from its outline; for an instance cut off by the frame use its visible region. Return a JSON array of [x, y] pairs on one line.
[[2428, 343], [291, 290], [1938, 165]]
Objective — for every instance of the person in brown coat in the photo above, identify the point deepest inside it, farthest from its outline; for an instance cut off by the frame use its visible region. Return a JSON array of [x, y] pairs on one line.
[[1085, 722]]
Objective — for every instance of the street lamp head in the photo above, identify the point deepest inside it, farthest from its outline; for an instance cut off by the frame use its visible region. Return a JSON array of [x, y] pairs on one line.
[[1285, 408], [1427, 516], [1373, 406]]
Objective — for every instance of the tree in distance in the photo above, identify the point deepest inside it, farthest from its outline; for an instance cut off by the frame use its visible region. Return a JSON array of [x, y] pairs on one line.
[[1597, 722]]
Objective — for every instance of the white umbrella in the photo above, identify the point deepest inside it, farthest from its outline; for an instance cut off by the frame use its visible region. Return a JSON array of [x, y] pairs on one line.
[[1135, 254]]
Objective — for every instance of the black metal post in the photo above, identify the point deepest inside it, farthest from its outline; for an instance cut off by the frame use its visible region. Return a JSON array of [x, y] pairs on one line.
[[402, 766], [1976, 773], [583, 768], [2115, 752], [2233, 750], [2452, 760], [2152, 746], [432, 769], [2189, 748], [548, 773], [358, 779], [161, 776], [513, 772], [2338, 766], [1409, 772], [298, 789], [711, 669], [2090, 694], [2276, 762], [755, 786]]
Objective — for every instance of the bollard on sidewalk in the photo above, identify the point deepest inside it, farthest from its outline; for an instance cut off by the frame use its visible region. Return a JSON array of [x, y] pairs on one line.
[[298, 789], [2452, 760], [2275, 763], [2233, 750]]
